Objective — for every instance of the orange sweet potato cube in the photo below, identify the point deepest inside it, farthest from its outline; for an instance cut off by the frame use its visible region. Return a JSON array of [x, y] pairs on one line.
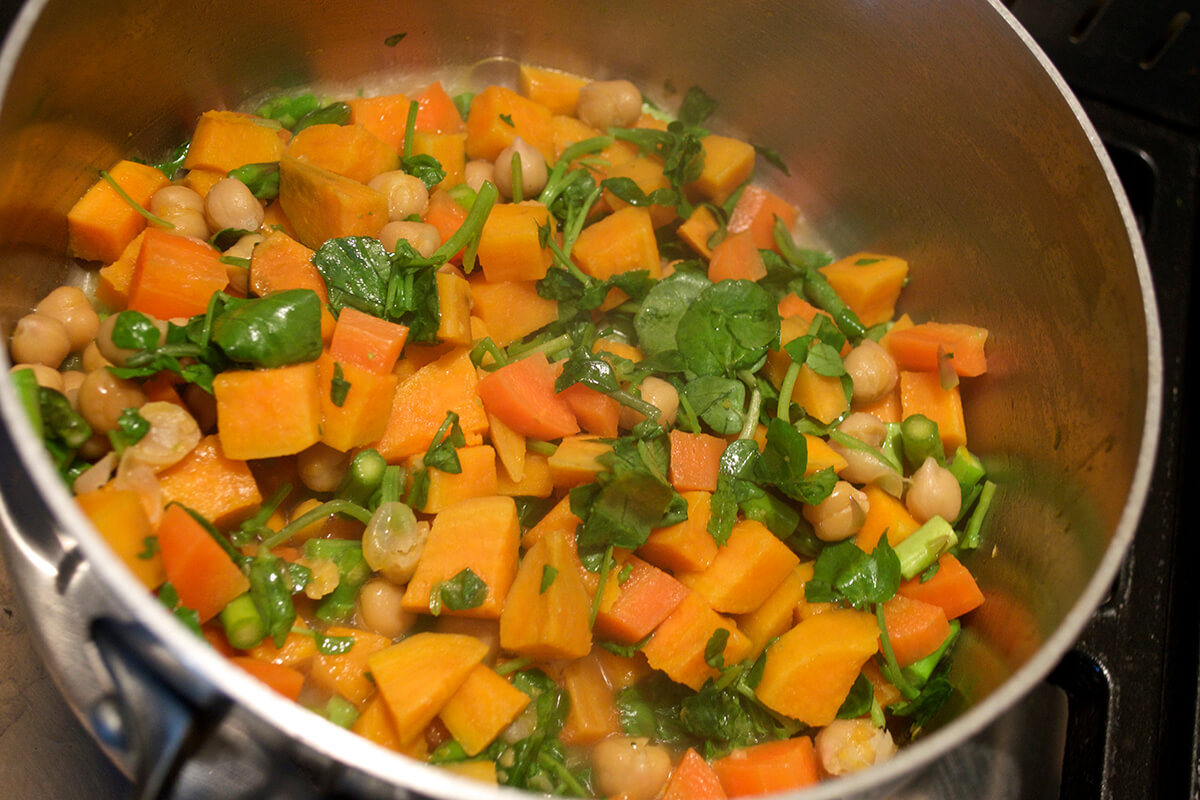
[[263, 413], [121, 520], [481, 534], [745, 571], [511, 309], [323, 205], [548, 621], [686, 546], [557, 91], [226, 140], [678, 644], [206, 480], [361, 416], [477, 479], [621, 242], [351, 151], [728, 163], [346, 673], [450, 149], [483, 706], [101, 223], [499, 115], [509, 246]]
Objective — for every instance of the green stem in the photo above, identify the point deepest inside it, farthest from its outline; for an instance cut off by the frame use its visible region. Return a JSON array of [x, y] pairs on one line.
[[752, 412], [244, 625], [605, 566], [924, 546], [485, 198], [134, 204], [518, 178], [410, 127], [970, 539], [344, 507], [893, 672], [783, 409], [26, 386]]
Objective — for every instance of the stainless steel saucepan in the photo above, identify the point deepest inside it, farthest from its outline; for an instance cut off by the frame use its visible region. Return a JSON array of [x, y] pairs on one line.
[[932, 129]]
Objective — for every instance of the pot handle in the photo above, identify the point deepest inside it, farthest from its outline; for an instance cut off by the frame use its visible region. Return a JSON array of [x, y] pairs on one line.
[[143, 718]]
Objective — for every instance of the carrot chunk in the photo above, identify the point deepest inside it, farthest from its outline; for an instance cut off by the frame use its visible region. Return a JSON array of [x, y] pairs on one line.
[[768, 768], [952, 588], [200, 570], [367, 341], [522, 395], [174, 276], [755, 213], [693, 779], [916, 348], [915, 628]]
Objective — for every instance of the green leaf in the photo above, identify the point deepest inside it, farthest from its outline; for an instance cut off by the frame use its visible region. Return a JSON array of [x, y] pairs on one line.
[[394, 39], [845, 573], [549, 573], [657, 320], [729, 327], [339, 387], [465, 590], [719, 401], [425, 167], [273, 331], [696, 107], [261, 179]]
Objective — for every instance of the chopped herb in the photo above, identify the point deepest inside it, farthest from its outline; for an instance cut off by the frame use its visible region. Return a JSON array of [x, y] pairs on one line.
[[772, 157], [339, 387], [149, 548], [394, 39], [549, 573], [507, 120], [465, 590]]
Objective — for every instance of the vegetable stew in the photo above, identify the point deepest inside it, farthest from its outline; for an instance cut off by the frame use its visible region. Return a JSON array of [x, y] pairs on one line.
[[516, 432]]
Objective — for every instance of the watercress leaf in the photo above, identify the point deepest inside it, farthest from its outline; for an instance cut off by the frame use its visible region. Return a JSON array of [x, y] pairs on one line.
[[729, 327], [61, 423], [714, 648], [261, 179], [843, 572], [133, 330], [627, 189], [663, 306], [772, 157], [425, 167], [824, 360], [465, 590], [356, 270], [272, 595], [271, 331], [339, 387], [858, 701], [696, 107], [719, 401], [333, 114]]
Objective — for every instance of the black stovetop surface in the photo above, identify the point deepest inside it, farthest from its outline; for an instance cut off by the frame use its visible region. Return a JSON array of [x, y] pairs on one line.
[[1131, 682]]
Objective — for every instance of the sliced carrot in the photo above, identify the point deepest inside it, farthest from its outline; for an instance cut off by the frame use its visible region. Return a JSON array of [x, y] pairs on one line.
[[596, 412], [445, 214], [522, 395], [768, 768], [952, 588], [693, 779], [436, 112], [646, 596], [175, 276], [695, 461], [285, 680], [736, 258], [200, 570], [915, 628], [916, 348], [755, 213], [102, 223], [367, 341]]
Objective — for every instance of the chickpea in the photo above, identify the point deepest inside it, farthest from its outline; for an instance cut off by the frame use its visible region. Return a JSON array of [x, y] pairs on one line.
[[192, 224], [406, 194], [867, 428], [95, 447], [45, 376], [72, 379], [605, 104], [380, 610], [533, 169], [244, 247], [231, 204], [840, 515], [630, 766], [933, 492], [394, 542], [109, 350], [171, 200], [325, 577], [321, 467], [40, 339], [71, 307], [849, 745], [92, 359], [873, 371], [103, 396], [96, 475], [477, 171], [173, 434], [424, 238], [658, 393]]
